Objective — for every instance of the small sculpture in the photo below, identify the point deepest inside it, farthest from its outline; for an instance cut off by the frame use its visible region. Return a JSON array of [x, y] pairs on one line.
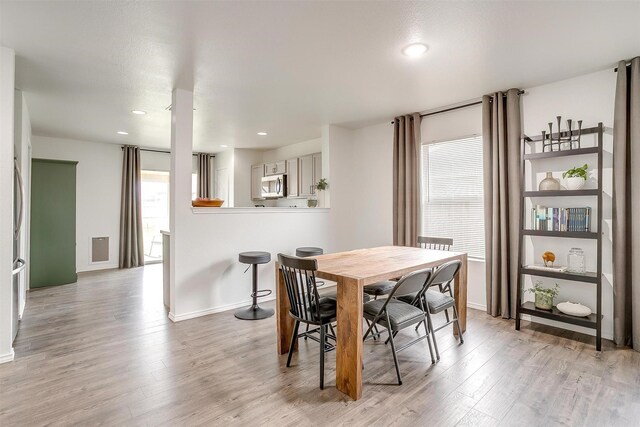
[[548, 258]]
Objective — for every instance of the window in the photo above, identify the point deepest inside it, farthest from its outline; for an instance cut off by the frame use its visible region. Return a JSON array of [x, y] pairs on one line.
[[452, 193]]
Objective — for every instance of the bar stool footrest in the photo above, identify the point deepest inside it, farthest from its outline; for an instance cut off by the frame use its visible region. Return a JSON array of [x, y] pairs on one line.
[[261, 293]]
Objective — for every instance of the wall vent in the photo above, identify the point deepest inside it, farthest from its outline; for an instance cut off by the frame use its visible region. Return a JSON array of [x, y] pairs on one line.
[[99, 249]]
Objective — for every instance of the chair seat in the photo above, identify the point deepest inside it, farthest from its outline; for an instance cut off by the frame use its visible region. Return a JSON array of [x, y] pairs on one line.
[[380, 288], [400, 313], [333, 294], [438, 301], [328, 309]]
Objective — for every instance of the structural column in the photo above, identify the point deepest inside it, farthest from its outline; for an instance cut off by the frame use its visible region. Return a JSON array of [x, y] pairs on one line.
[[180, 188]]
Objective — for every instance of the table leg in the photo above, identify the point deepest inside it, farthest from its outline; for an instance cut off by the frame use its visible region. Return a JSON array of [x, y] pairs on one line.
[[284, 322], [460, 295], [349, 339]]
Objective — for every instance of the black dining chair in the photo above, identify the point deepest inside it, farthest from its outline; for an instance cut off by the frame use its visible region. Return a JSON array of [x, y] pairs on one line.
[[307, 306], [437, 243], [425, 242], [395, 314], [437, 298]]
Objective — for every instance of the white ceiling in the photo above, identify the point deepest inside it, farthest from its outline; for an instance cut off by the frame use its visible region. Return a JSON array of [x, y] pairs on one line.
[[289, 67]]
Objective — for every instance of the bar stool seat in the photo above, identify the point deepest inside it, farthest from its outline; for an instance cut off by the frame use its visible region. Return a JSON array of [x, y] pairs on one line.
[[255, 312], [307, 251]]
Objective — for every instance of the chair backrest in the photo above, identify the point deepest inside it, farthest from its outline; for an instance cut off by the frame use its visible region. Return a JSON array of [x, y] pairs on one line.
[[300, 280], [414, 283], [445, 273], [438, 243]]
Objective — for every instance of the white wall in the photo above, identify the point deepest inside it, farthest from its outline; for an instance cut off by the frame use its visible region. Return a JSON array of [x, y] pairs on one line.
[[98, 182], [22, 137], [7, 84], [224, 165], [243, 159], [303, 148]]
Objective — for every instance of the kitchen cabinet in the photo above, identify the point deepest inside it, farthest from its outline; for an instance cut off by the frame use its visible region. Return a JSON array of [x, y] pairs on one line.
[[257, 172], [275, 168], [317, 169], [292, 178], [305, 175]]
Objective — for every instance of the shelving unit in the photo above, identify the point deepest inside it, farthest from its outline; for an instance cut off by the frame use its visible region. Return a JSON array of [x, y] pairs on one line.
[[594, 321]]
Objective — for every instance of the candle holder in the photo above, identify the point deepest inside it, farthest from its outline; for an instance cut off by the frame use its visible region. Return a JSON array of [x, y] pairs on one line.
[[561, 143]]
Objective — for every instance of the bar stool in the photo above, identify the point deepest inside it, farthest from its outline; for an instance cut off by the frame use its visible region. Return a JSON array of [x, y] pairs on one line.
[[255, 312], [306, 251]]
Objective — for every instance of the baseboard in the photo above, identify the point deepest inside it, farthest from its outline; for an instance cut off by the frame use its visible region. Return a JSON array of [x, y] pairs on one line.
[[476, 306], [98, 268], [219, 309], [7, 357]]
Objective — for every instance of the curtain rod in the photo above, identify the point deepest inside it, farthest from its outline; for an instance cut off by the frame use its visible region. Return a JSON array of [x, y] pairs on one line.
[[457, 107], [152, 150], [628, 64]]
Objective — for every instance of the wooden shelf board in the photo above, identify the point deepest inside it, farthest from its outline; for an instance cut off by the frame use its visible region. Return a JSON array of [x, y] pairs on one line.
[[562, 193], [565, 234], [555, 314], [550, 154], [589, 277]]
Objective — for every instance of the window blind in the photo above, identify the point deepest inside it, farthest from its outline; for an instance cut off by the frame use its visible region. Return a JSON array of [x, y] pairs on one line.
[[452, 193]]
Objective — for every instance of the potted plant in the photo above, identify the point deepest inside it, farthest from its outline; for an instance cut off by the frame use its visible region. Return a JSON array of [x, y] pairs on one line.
[[321, 185], [544, 296], [576, 177]]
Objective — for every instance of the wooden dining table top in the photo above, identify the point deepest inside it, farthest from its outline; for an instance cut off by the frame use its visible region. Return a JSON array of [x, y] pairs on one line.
[[374, 264]]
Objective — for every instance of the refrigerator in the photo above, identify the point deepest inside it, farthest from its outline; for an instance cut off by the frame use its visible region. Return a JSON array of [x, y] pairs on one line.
[[19, 264]]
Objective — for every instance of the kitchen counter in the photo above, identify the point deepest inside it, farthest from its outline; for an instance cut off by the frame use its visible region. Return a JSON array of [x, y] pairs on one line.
[[258, 210]]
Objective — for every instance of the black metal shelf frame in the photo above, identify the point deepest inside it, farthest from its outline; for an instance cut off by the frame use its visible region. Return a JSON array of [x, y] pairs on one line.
[[594, 321]]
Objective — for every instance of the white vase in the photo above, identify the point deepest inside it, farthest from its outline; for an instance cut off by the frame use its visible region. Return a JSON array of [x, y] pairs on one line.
[[575, 183]]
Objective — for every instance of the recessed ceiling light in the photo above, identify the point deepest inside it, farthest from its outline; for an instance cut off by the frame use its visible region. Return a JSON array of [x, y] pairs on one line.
[[121, 132], [139, 112], [415, 49], [224, 146], [262, 133]]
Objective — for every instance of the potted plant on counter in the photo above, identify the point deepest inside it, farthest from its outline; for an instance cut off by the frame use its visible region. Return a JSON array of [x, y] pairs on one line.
[[321, 185], [544, 296], [576, 177]]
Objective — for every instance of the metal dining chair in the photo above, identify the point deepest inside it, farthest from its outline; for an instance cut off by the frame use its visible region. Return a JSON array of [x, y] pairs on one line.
[[307, 306], [425, 242], [438, 297], [395, 314]]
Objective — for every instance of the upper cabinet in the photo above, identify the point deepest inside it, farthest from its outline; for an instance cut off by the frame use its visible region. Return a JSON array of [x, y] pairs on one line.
[[275, 168], [305, 175], [292, 178], [257, 172]]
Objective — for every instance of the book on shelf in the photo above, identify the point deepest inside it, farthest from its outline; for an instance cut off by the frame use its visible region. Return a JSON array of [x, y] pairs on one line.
[[560, 219], [558, 269]]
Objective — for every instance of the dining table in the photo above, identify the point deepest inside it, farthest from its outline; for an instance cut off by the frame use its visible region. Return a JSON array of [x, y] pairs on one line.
[[352, 271]]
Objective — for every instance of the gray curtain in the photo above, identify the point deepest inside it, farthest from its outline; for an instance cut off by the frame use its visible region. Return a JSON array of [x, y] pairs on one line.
[[204, 175], [406, 182], [131, 242], [626, 205], [501, 131]]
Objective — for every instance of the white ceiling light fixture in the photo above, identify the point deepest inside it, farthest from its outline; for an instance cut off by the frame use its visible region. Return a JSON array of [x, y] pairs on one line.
[[224, 145], [121, 132], [415, 50], [262, 133], [139, 112]]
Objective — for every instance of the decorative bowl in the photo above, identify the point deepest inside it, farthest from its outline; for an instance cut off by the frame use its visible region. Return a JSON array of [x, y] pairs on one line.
[[207, 203], [574, 309]]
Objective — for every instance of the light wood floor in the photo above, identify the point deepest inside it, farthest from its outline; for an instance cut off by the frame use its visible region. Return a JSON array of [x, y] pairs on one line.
[[102, 351]]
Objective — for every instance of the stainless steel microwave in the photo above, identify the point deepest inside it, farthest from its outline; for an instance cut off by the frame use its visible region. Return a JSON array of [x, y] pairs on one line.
[[274, 186]]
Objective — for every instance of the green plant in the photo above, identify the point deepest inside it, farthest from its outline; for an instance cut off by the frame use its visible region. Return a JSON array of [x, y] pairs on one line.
[[322, 184], [548, 292], [577, 172]]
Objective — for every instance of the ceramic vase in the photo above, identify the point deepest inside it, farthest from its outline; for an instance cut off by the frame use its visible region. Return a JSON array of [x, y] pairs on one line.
[[549, 183], [544, 302], [575, 183]]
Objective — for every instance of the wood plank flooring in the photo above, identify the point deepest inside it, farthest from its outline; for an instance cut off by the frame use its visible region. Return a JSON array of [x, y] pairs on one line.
[[102, 351]]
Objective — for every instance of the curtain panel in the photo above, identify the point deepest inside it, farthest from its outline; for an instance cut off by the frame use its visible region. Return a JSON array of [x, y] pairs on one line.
[[626, 204], [501, 132], [204, 175], [406, 180], [131, 238]]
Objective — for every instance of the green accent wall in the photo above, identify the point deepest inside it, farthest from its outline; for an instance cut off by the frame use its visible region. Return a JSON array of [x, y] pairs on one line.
[[53, 223]]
